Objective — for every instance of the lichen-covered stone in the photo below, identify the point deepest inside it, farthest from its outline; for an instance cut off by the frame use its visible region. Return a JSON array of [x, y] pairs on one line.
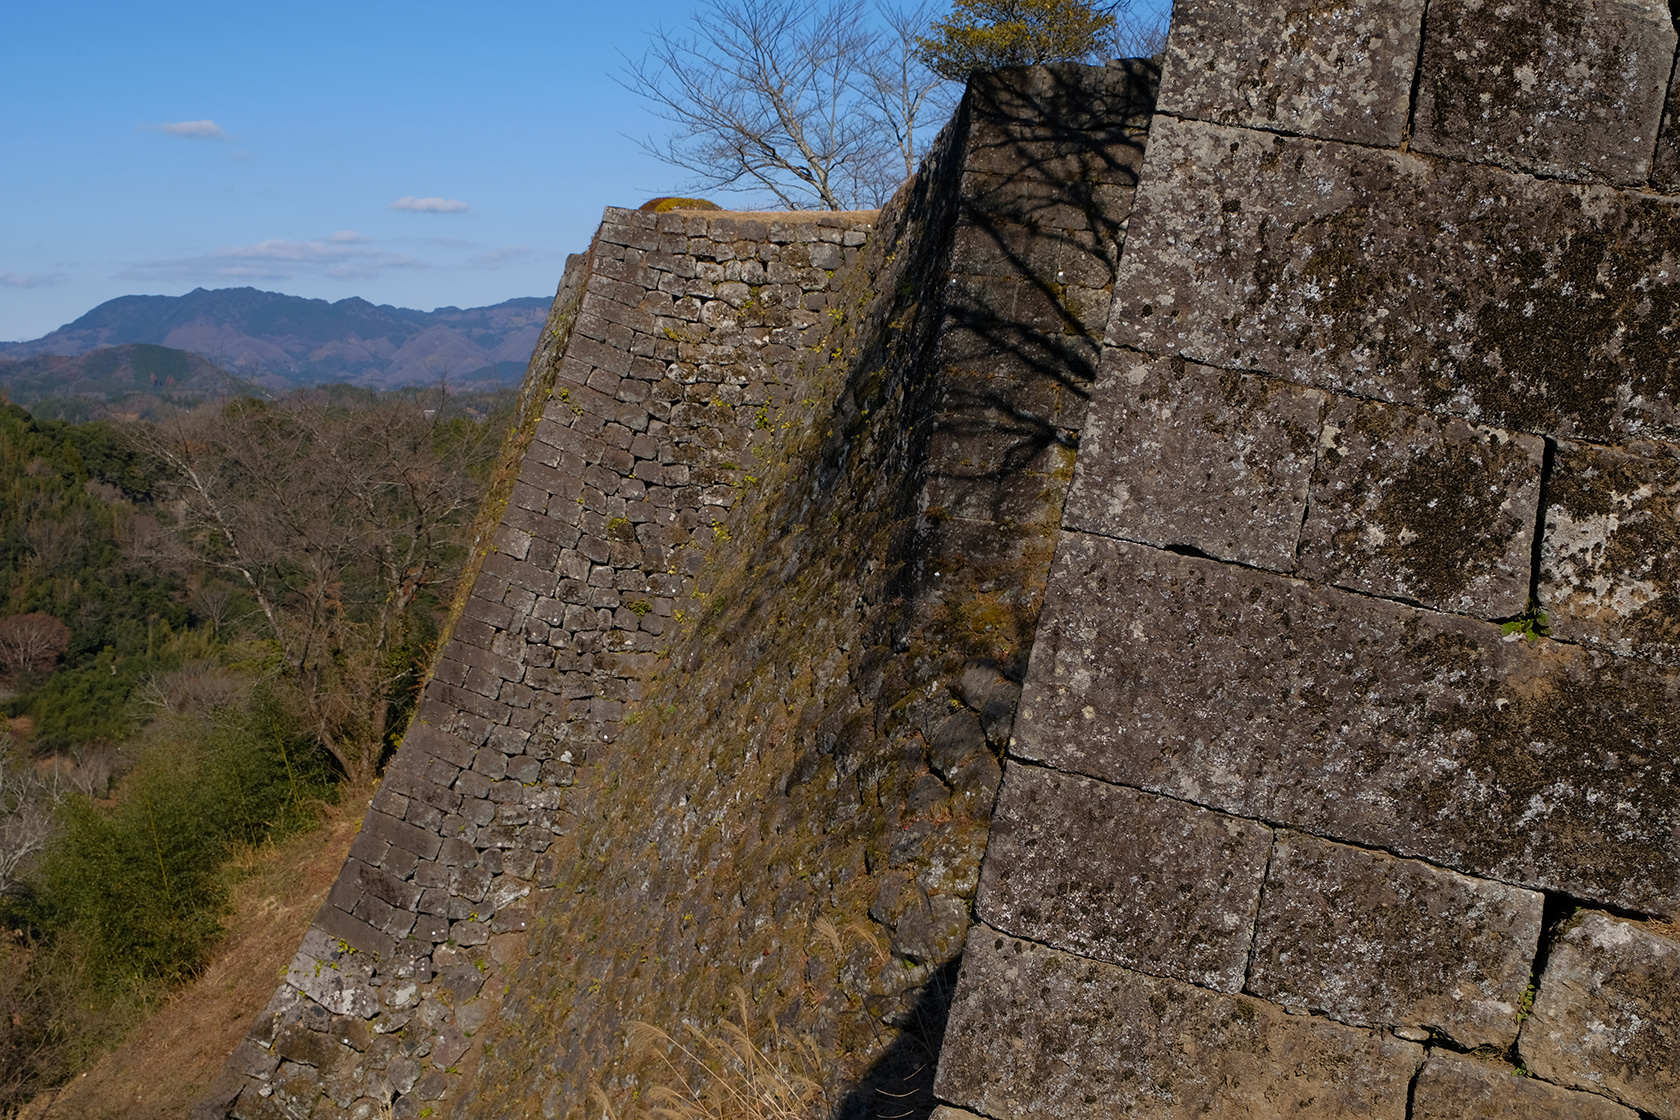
[[1607, 1018], [1572, 88], [1425, 734], [1339, 70], [1038, 1034], [1126, 877], [1665, 165], [1610, 558], [1372, 940], [1175, 453], [1409, 505], [1454, 1087], [1533, 305]]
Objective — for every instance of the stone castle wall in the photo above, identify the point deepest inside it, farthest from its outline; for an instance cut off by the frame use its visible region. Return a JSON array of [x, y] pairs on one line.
[[1306, 811], [668, 343], [783, 525], [1315, 470]]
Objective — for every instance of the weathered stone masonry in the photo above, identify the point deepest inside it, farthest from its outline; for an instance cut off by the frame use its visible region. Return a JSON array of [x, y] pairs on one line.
[[1297, 821], [680, 333], [1300, 811], [545, 786]]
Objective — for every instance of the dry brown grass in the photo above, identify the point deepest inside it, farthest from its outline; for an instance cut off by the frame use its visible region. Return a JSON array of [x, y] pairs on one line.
[[727, 1075], [168, 1060]]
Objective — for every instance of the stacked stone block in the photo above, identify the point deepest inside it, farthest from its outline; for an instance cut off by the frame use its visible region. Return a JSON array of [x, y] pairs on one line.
[[682, 347], [965, 347], [1345, 775], [682, 340]]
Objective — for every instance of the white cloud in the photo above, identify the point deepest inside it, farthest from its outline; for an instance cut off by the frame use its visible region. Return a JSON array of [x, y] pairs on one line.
[[345, 255], [429, 205], [37, 280], [495, 258], [194, 130]]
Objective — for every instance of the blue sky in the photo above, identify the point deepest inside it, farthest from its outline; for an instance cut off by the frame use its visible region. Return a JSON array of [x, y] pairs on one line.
[[154, 148]]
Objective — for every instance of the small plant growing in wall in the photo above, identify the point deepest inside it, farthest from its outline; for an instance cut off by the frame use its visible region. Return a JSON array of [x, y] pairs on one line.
[[1532, 624]]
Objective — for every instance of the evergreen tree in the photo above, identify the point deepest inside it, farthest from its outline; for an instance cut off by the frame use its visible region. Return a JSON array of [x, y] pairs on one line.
[[986, 34]]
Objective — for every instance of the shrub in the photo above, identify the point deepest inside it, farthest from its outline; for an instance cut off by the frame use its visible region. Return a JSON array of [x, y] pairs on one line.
[[136, 885]]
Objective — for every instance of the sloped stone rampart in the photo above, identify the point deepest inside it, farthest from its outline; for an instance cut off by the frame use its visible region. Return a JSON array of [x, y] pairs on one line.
[[682, 331], [1367, 551], [814, 777], [724, 706]]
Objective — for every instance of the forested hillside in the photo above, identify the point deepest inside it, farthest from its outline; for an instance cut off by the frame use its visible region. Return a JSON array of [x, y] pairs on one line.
[[137, 380], [210, 625]]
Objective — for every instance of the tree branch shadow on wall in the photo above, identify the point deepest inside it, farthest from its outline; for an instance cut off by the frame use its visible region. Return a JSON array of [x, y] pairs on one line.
[[1053, 159], [899, 1086], [1051, 162]]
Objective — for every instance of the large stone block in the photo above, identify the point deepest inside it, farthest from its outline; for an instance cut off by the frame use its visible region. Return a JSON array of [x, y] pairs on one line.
[[1534, 305], [1607, 1017], [1083, 106], [1128, 877], [1610, 558], [1340, 70], [1372, 940], [1428, 735], [1406, 504], [1454, 1087], [1572, 88], [1037, 1034], [1665, 165], [1174, 453]]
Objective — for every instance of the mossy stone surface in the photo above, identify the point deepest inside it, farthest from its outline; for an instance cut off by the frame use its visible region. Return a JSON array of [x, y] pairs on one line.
[[1376, 941], [1409, 505], [1532, 305], [1456, 1087], [1177, 454], [1328, 68], [1606, 1019], [1038, 1034], [1426, 734], [1610, 559], [1570, 88], [1123, 876]]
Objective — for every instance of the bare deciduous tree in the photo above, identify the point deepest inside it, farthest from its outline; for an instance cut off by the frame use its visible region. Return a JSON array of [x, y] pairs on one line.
[[808, 103], [903, 91], [31, 643], [27, 801], [1139, 35], [336, 516]]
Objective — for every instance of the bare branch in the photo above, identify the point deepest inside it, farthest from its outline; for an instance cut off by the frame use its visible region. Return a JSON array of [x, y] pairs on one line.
[[780, 97]]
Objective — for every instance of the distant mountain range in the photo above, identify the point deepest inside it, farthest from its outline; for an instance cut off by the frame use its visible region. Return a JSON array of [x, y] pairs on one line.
[[284, 341]]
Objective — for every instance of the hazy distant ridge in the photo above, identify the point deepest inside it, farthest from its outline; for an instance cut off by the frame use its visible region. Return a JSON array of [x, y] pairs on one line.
[[277, 339]]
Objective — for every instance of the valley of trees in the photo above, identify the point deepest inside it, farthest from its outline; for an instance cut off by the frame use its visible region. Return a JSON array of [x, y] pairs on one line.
[[211, 625]]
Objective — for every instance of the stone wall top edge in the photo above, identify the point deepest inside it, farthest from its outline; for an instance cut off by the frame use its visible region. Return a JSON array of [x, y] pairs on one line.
[[647, 219]]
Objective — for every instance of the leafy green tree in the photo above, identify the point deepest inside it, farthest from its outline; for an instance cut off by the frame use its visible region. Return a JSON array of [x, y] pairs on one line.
[[986, 34]]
